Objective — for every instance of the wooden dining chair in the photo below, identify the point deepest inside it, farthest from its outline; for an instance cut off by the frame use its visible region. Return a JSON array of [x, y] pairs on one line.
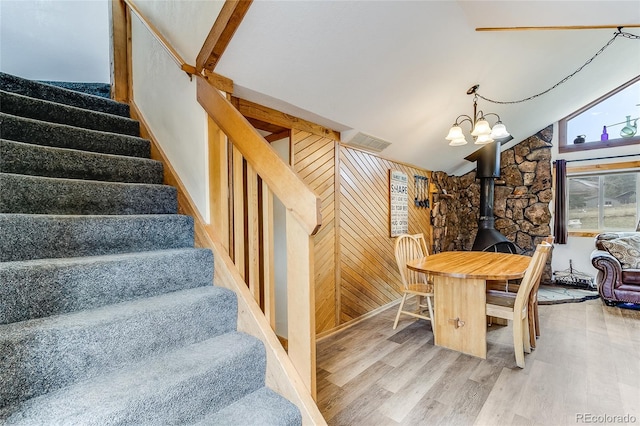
[[516, 309], [409, 247], [511, 289], [534, 325]]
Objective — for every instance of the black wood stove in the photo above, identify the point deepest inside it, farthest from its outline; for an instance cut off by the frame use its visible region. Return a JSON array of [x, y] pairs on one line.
[[488, 169]]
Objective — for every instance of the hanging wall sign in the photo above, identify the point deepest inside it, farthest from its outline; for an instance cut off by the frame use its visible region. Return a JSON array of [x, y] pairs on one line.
[[398, 203]]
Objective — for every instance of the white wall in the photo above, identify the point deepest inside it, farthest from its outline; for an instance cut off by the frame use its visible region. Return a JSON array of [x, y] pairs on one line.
[[58, 40], [280, 249], [579, 249], [166, 98], [185, 24]]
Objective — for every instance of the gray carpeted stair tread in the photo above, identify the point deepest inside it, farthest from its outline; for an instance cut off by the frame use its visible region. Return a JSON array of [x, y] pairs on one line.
[[178, 387], [37, 132], [23, 106], [44, 287], [108, 314], [42, 355], [102, 90], [37, 236], [263, 407], [40, 90], [36, 160], [42, 195]]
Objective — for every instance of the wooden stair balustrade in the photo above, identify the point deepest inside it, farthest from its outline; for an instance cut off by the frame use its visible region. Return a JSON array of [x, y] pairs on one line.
[[256, 172], [244, 175]]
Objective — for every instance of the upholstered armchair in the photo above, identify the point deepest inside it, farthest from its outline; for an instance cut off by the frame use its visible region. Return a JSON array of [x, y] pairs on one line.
[[617, 258]]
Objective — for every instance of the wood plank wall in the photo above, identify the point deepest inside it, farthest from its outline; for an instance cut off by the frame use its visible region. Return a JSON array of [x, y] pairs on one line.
[[314, 161], [354, 265], [368, 273]]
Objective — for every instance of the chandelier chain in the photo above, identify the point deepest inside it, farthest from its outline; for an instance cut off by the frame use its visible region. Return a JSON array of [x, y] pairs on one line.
[[619, 32]]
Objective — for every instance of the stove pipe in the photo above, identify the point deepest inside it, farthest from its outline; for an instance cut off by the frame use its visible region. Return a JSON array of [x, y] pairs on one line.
[[488, 238]]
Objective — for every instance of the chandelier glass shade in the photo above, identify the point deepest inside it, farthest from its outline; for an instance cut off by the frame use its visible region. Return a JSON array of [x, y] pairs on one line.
[[455, 132], [481, 130]]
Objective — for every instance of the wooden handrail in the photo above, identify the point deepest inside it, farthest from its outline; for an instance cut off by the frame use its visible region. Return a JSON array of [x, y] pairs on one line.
[[301, 201], [189, 69]]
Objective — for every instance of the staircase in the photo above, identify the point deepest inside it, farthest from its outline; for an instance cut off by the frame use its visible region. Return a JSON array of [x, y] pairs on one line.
[[108, 314]]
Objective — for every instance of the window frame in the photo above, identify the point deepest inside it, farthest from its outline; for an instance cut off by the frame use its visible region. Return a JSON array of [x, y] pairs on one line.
[[601, 170], [564, 146]]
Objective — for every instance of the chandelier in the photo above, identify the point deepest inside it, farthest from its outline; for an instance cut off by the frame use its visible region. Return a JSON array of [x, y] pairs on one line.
[[481, 131]]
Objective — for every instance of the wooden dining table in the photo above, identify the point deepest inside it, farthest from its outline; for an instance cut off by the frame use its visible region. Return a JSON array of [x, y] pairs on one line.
[[459, 279]]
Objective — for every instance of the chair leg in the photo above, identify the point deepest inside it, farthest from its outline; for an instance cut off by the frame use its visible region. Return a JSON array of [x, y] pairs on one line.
[[525, 335], [419, 304], [518, 346], [536, 319], [404, 297], [430, 305], [532, 330], [530, 319]]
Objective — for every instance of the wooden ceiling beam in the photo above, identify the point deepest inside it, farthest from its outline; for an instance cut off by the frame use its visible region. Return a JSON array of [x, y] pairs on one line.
[[219, 37], [277, 136], [267, 127], [255, 111], [218, 81], [567, 27]]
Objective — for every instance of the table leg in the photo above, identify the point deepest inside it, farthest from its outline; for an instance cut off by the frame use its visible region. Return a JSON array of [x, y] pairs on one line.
[[460, 315]]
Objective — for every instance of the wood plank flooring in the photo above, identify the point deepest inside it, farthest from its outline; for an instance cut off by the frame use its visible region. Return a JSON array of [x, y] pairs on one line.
[[587, 362]]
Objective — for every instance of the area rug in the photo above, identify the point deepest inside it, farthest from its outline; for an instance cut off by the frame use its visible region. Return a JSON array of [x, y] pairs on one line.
[[553, 294]]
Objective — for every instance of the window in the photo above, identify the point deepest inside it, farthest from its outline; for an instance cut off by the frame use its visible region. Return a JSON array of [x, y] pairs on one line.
[[605, 201], [618, 112]]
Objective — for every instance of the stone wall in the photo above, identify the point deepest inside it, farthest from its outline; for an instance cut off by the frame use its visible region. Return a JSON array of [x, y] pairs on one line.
[[522, 197], [455, 211]]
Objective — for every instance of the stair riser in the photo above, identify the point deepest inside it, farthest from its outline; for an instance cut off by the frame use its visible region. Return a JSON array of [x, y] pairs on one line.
[[185, 404], [262, 407], [200, 378], [43, 355], [27, 237], [38, 195], [57, 113], [40, 288], [100, 90], [212, 390], [37, 132], [39, 90], [35, 160]]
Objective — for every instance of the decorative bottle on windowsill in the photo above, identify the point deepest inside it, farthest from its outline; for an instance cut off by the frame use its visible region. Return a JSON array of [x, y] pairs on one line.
[[604, 136], [629, 130]]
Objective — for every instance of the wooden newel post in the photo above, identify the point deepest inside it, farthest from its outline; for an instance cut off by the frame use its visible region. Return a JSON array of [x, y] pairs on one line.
[[119, 52], [301, 302]]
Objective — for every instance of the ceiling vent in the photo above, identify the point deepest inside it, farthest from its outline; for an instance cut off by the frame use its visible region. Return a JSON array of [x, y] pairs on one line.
[[368, 142]]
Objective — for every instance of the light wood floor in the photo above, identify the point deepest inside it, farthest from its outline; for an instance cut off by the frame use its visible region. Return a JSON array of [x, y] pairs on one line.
[[587, 362]]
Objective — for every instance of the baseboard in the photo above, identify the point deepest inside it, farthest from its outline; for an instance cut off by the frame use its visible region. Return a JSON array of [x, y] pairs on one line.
[[355, 321]]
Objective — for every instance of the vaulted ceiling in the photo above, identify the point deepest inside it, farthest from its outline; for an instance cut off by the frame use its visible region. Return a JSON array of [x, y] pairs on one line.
[[400, 70]]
